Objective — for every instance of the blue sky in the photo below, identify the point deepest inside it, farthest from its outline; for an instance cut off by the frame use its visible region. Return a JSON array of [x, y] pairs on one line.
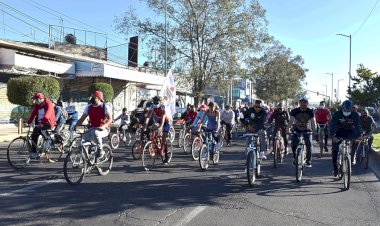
[[308, 27]]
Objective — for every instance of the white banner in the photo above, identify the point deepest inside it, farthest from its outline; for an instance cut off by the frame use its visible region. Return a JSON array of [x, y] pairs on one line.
[[168, 94]]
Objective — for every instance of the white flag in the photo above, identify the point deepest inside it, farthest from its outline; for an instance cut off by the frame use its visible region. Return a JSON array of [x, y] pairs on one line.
[[168, 94]]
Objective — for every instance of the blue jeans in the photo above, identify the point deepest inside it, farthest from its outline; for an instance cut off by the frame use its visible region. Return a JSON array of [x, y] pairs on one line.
[[309, 147], [214, 134]]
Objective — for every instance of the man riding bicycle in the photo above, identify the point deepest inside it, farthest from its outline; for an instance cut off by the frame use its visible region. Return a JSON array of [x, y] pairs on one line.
[[281, 119], [302, 120], [254, 120], [368, 125], [190, 116], [157, 112], [100, 121], [323, 116], [345, 124], [44, 116]]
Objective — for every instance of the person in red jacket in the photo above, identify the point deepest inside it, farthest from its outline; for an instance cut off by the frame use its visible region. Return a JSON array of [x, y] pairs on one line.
[[322, 117], [44, 116], [100, 121], [190, 116]]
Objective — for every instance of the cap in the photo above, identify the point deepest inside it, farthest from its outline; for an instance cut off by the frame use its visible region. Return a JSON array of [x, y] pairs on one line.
[[203, 107], [99, 95], [304, 99], [38, 96], [347, 105]]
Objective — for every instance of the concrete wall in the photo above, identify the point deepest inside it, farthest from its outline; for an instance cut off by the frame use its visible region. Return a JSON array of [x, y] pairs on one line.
[[83, 50]]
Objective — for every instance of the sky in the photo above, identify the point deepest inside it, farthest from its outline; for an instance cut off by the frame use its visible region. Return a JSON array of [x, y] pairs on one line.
[[307, 27]]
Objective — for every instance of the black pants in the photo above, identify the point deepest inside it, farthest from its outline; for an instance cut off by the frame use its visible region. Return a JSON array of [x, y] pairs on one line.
[[37, 131], [228, 131]]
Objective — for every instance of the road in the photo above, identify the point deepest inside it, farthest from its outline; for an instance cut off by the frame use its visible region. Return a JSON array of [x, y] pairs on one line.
[[181, 194]]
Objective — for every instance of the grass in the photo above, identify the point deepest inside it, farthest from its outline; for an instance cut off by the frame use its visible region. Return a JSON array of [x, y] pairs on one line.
[[376, 141]]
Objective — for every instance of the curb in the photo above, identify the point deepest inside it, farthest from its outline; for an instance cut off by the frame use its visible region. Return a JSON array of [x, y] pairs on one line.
[[375, 153]]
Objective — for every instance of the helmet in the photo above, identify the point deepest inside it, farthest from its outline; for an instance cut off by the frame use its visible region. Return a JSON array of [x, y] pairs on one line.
[[347, 105], [156, 99], [304, 99]]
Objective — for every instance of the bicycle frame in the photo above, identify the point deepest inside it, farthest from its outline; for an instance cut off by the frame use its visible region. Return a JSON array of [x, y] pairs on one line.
[[158, 149]]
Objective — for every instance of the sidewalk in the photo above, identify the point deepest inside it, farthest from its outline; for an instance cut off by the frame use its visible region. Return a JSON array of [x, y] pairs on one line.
[[8, 132]]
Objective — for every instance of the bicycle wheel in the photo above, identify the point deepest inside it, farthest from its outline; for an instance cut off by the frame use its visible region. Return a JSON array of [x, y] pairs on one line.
[[195, 148], [148, 156], [181, 140], [346, 172], [18, 153], [137, 149], [75, 166], [187, 143], [171, 134], [204, 157], [299, 164], [104, 163], [114, 141], [258, 165], [275, 154], [251, 171], [365, 156], [215, 156]]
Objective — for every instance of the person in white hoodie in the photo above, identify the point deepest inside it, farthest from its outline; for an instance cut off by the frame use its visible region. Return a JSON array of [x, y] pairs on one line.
[[228, 119]]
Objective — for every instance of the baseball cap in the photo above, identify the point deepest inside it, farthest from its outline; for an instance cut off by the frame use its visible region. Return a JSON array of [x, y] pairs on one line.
[[99, 95], [203, 107], [38, 96]]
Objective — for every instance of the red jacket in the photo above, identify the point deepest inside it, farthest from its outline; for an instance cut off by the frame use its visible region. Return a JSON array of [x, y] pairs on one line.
[[322, 116], [190, 116], [49, 113]]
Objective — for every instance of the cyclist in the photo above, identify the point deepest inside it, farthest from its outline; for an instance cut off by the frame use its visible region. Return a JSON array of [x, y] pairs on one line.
[[344, 124], [368, 126], [72, 115], [201, 110], [281, 119], [323, 116], [124, 122], [59, 116], [228, 119], [157, 112], [254, 120], [100, 121], [304, 121], [190, 116], [213, 122], [43, 115]]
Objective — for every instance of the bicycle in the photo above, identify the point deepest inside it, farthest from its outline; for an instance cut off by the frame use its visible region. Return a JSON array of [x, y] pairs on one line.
[[278, 148], [137, 148], [20, 149], [300, 159], [197, 142], [182, 132], [171, 134], [321, 137], [208, 150], [362, 151], [83, 157], [115, 138], [344, 162], [154, 149], [253, 162]]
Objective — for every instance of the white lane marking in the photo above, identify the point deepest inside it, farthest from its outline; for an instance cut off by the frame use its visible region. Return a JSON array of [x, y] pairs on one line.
[[197, 210], [41, 184]]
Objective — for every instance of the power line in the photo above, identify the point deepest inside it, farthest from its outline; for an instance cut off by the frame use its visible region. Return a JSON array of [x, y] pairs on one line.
[[366, 18]]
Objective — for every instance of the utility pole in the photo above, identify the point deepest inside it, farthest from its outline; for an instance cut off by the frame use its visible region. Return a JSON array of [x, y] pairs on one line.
[[332, 86]]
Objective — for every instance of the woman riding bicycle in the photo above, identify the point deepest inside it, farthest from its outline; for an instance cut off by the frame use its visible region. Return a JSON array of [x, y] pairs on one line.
[[213, 122]]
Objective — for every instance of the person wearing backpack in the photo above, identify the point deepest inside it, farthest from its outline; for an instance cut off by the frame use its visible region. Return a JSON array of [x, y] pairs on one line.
[[72, 115], [60, 115]]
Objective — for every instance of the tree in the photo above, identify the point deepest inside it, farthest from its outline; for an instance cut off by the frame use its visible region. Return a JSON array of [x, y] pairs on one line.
[[20, 90], [280, 74], [207, 39], [106, 89], [365, 90]]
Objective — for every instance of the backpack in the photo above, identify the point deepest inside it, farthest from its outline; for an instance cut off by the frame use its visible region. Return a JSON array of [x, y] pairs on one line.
[[65, 115]]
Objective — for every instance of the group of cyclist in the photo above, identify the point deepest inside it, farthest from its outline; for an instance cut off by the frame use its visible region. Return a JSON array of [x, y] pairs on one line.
[[345, 123]]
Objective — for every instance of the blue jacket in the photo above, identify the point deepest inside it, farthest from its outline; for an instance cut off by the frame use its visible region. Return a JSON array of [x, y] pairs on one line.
[[199, 117], [59, 116]]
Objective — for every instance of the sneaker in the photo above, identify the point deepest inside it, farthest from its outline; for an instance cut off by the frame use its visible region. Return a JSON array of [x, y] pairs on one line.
[[326, 149], [262, 155], [308, 164], [35, 155], [166, 159]]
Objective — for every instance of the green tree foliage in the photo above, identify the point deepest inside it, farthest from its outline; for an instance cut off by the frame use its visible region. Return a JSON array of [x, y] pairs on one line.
[[208, 39], [20, 90], [280, 75], [365, 90], [104, 87]]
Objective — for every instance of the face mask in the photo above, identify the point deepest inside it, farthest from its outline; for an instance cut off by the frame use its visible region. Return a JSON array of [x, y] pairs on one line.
[[92, 100], [346, 114], [321, 106]]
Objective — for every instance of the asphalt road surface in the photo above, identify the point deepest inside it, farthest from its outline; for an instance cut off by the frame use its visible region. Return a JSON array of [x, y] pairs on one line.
[[181, 194]]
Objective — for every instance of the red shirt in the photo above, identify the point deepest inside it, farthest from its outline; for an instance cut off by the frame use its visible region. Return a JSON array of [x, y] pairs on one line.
[[97, 116], [191, 115], [49, 116], [322, 116]]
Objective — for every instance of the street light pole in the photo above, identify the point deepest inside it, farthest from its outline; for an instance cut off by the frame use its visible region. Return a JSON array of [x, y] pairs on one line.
[[349, 70], [337, 92], [332, 86], [326, 89]]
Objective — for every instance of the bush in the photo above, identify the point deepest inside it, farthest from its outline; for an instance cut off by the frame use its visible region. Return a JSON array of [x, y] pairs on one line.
[[20, 90], [104, 87]]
